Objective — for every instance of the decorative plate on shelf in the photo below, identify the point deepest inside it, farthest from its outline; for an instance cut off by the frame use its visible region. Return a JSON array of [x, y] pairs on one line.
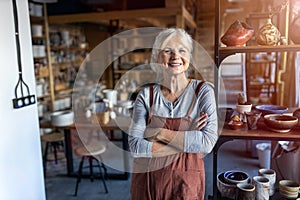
[[271, 109]]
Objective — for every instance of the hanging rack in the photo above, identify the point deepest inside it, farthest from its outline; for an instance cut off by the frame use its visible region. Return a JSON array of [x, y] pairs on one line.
[[21, 101]]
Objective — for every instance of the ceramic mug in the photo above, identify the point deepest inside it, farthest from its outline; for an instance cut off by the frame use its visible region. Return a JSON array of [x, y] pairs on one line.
[[271, 175], [262, 187], [245, 191]]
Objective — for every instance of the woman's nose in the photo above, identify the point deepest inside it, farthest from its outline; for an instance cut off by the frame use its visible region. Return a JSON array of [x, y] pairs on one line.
[[175, 54]]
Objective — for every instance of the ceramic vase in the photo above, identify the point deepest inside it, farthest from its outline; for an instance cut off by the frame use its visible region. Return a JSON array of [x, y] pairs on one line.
[[237, 34], [268, 34], [295, 30]]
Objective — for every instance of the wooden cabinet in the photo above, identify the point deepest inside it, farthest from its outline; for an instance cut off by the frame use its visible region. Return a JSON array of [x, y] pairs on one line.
[[41, 57]]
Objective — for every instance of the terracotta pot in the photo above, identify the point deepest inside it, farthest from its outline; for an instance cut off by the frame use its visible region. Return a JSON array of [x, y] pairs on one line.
[[237, 34], [268, 34], [295, 30]]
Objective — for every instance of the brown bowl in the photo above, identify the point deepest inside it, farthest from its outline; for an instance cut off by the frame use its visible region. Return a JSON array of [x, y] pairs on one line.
[[280, 123], [235, 125]]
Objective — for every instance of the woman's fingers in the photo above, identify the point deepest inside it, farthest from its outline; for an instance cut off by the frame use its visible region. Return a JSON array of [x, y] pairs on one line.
[[200, 122], [150, 133]]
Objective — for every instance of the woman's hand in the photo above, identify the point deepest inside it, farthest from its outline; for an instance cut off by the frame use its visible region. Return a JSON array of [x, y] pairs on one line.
[[151, 134], [200, 122]]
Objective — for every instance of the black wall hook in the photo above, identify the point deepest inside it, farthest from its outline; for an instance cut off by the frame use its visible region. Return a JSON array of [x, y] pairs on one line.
[[22, 101]]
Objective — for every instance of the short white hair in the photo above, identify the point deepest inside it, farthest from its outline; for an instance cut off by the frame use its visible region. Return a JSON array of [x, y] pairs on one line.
[[163, 38]]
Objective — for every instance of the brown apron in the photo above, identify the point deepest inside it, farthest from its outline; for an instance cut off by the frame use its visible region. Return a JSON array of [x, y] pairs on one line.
[[177, 177]]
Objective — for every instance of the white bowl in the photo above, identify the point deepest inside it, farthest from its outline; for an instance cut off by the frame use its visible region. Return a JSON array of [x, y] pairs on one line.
[[62, 118], [243, 108]]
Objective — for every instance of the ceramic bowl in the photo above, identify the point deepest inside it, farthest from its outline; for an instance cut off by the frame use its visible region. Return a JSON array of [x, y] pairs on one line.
[[296, 113], [288, 189], [236, 177], [226, 189], [243, 108], [235, 125], [62, 118], [280, 123], [271, 109]]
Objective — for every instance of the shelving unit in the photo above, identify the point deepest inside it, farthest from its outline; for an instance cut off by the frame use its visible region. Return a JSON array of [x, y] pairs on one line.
[[179, 13], [220, 54], [133, 65], [68, 50], [41, 57]]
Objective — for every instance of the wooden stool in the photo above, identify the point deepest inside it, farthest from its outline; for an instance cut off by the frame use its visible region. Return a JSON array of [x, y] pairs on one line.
[[53, 139], [89, 151]]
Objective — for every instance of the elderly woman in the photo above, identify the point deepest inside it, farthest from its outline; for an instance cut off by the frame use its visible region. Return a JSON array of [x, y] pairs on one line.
[[174, 125]]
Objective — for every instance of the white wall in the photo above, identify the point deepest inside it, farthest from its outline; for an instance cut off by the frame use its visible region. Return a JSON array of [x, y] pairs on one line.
[[21, 173]]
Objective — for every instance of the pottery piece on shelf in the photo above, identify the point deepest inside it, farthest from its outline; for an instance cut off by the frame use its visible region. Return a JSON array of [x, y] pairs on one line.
[[296, 113], [268, 34], [237, 34], [295, 30]]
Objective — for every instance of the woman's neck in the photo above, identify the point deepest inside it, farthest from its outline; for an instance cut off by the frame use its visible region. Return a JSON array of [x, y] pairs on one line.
[[173, 87], [175, 84]]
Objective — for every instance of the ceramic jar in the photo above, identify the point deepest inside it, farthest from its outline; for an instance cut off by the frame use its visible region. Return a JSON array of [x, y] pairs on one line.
[[268, 34], [295, 30], [237, 34]]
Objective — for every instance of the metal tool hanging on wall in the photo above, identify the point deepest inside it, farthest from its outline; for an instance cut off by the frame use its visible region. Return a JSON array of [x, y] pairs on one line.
[[20, 101]]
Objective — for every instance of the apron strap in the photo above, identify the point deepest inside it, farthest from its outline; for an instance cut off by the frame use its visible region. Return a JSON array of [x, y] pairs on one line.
[[151, 103], [195, 97]]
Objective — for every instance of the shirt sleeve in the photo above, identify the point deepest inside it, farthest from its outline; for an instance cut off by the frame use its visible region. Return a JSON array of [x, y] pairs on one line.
[[203, 141], [139, 146]]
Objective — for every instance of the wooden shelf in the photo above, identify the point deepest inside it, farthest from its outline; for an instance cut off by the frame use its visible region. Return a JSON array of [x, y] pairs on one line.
[[262, 61], [37, 20], [227, 51], [38, 37], [159, 17]]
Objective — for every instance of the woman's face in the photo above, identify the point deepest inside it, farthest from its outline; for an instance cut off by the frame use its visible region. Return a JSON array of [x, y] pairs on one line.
[[174, 57]]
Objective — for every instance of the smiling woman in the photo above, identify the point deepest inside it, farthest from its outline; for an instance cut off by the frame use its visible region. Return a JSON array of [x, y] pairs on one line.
[[174, 125]]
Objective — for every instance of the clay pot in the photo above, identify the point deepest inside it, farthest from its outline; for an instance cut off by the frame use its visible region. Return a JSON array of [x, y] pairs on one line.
[[268, 34], [295, 30], [237, 34], [296, 113]]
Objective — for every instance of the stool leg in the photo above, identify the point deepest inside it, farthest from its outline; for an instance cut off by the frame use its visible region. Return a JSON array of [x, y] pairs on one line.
[[91, 168], [101, 176], [45, 157], [103, 166], [55, 146], [79, 175]]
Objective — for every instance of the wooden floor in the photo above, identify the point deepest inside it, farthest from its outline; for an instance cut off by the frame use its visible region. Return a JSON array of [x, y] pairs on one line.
[[233, 155]]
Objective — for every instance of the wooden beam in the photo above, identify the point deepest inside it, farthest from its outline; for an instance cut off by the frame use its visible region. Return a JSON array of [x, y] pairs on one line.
[[179, 21], [114, 15], [153, 22], [188, 18]]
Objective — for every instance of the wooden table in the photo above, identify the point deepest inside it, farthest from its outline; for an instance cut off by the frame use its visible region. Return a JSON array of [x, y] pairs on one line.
[[262, 133], [119, 124]]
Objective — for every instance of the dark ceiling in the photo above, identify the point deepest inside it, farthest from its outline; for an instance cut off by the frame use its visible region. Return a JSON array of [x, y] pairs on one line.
[[84, 6]]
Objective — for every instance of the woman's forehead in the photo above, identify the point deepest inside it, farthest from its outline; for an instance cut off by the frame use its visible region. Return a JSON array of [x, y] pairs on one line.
[[175, 41]]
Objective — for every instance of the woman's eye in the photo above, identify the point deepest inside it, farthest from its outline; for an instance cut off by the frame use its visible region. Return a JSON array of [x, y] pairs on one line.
[[168, 51], [182, 51]]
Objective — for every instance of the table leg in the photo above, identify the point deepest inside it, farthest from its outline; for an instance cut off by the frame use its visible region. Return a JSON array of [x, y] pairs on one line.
[[69, 151], [125, 148]]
